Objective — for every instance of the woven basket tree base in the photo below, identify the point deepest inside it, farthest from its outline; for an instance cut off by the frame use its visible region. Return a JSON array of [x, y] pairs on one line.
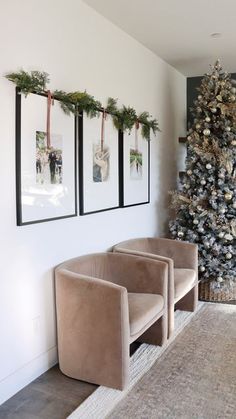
[[209, 291]]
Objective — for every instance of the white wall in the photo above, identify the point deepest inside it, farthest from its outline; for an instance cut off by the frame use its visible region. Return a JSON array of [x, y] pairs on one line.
[[80, 50]]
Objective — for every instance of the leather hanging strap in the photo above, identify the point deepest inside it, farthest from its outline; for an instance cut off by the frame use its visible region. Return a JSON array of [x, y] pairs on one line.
[[50, 102], [104, 115], [136, 135]]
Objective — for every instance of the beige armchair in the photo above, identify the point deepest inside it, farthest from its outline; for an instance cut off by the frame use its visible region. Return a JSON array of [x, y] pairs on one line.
[[104, 302], [182, 260]]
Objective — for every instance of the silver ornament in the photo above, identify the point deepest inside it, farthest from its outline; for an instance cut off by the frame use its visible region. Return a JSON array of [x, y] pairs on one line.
[[228, 129], [199, 97], [203, 182], [222, 210], [207, 119], [189, 172], [208, 166], [220, 279], [206, 132], [206, 244], [180, 234], [202, 269], [214, 193], [195, 221], [213, 110], [228, 255], [233, 142], [229, 237], [221, 235], [201, 230]]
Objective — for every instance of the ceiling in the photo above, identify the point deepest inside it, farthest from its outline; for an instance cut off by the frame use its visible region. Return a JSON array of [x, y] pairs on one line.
[[179, 31]]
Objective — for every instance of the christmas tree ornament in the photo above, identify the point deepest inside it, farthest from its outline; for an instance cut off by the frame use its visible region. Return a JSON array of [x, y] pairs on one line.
[[198, 126], [228, 129], [213, 110], [180, 234], [221, 235], [214, 193], [201, 230], [206, 132], [228, 237], [195, 221], [228, 255], [222, 210], [221, 175], [208, 166], [233, 90], [232, 98], [202, 268], [199, 97], [233, 142], [220, 279], [208, 119], [203, 182], [234, 204], [189, 172], [228, 196]]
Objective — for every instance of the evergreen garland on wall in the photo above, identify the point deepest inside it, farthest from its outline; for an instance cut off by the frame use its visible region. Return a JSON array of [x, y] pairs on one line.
[[124, 118]]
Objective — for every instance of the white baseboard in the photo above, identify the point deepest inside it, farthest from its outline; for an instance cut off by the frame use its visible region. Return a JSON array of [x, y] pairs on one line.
[[14, 382]]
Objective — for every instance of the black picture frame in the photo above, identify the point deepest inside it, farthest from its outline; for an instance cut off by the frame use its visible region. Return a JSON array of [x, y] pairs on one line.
[[26, 170], [94, 194], [139, 184]]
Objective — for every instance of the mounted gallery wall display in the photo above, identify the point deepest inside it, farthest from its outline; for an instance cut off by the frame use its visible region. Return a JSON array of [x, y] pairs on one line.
[[46, 185], [98, 164], [135, 153]]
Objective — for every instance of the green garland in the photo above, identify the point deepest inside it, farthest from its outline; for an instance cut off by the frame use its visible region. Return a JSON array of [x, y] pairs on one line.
[[124, 118]]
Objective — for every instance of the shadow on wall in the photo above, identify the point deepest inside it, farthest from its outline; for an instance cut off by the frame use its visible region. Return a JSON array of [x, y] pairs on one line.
[[172, 126]]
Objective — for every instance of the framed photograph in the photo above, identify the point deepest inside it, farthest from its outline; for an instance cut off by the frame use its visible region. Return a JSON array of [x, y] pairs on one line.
[[46, 177], [98, 164], [135, 161]]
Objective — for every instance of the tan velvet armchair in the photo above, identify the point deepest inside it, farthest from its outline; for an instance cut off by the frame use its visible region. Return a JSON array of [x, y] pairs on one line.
[[182, 260], [104, 302]]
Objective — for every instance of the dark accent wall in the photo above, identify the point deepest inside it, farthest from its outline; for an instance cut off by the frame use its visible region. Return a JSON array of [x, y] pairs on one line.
[[192, 93]]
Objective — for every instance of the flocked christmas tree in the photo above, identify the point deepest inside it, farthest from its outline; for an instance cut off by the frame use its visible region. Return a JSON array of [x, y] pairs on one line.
[[206, 202]]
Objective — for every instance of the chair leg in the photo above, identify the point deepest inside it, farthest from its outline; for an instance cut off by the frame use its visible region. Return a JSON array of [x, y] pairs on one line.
[[157, 333], [189, 301]]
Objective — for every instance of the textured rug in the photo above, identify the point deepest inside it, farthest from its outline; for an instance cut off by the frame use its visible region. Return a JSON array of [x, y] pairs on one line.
[[193, 376]]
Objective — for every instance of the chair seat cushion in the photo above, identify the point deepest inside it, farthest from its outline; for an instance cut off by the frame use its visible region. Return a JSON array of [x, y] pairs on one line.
[[143, 308], [184, 281]]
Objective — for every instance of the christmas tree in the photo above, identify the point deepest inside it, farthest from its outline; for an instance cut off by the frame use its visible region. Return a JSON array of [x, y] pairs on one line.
[[205, 205]]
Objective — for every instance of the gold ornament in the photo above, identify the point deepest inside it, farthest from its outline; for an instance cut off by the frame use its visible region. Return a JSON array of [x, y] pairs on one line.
[[228, 196], [206, 132]]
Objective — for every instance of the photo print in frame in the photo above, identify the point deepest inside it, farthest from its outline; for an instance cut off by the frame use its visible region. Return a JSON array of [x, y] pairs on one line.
[[98, 164], [135, 163], [46, 159]]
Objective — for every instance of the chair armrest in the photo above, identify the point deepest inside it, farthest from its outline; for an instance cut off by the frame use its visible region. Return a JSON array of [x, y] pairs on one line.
[[91, 313]]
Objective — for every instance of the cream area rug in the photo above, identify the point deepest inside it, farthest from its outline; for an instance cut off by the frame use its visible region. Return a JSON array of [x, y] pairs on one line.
[[192, 376]]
